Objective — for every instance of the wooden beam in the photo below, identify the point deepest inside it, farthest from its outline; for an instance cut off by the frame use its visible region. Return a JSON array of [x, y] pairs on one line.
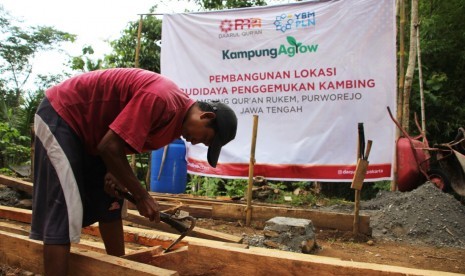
[[226, 261], [83, 262], [16, 214], [198, 211], [236, 211], [141, 236], [144, 255], [201, 257], [12, 228], [19, 251], [177, 260], [319, 219], [133, 216], [16, 183]]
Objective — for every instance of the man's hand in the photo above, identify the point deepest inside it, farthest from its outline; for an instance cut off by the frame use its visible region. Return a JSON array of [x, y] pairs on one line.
[[146, 205], [112, 186]]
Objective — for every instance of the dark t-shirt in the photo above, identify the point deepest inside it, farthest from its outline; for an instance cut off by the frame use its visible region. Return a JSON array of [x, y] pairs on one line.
[[144, 108]]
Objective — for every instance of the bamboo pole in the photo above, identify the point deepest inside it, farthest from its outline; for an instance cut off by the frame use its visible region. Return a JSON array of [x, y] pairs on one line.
[[251, 171], [400, 89], [356, 223], [136, 65], [139, 32], [420, 79], [409, 73]]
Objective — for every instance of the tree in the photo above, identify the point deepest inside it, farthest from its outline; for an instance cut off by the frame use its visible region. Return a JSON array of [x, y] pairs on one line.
[[18, 48], [84, 62], [124, 48], [443, 56]]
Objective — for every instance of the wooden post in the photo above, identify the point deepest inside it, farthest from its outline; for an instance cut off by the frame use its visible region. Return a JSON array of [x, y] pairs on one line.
[[355, 227], [357, 184], [136, 65], [251, 171], [360, 172], [139, 32], [356, 213], [33, 136]]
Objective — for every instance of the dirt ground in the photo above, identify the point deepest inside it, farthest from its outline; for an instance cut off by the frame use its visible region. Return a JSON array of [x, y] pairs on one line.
[[344, 246], [422, 229]]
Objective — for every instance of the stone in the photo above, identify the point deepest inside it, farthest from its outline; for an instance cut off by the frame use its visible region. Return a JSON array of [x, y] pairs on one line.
[[291, 234]]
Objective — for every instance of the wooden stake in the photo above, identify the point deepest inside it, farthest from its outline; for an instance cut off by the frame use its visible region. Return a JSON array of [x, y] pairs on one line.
[[251, 171], [357, 184]]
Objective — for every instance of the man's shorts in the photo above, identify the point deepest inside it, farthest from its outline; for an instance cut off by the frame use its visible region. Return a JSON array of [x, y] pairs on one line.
[[68, 190]]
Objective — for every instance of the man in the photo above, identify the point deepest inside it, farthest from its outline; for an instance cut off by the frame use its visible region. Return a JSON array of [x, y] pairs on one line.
[[84, 129]]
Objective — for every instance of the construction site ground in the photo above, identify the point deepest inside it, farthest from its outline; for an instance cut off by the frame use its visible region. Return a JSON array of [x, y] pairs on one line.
[[345, 246], [423, 229]]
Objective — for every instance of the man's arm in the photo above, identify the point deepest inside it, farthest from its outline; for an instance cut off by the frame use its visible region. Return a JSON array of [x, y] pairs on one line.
[[112, 150]]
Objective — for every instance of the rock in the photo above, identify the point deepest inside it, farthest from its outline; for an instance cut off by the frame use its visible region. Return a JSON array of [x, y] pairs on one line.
[[25, 204], [290, 234]]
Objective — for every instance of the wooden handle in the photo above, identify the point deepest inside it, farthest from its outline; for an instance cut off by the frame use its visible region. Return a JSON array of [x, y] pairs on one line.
[[368, 149]]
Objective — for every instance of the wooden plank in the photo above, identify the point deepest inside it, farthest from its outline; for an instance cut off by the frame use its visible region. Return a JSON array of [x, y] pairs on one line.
[[87, 263], [227, 261], [19, 251], [133, 216], [198, 211], [188, 199], [13, 228], [96, 246], [141, 236], [319, 219], [217, 209], [25, 186], [144, 255], [201, 257], [17, 214], [177, 260]]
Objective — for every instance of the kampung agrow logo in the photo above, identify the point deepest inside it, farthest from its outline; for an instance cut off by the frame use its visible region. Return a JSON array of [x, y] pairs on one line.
[[290, 50]]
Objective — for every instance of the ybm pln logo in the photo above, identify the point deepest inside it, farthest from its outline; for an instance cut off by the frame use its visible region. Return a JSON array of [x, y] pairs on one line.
[[285, 22]]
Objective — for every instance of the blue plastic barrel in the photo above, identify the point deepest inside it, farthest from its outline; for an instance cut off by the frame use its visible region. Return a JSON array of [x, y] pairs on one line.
[[172, 178]]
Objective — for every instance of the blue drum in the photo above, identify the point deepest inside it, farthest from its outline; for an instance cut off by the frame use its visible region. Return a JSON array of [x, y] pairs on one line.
[[172, 177]]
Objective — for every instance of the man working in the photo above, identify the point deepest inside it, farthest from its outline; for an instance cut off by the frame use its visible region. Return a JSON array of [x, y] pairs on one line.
[[84, 129]]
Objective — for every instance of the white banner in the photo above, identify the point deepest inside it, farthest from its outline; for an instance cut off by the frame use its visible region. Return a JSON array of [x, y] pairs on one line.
[[311, 71]]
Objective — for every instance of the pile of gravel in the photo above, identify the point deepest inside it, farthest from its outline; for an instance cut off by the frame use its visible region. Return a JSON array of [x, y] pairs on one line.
[[425, 216], [8, 196]]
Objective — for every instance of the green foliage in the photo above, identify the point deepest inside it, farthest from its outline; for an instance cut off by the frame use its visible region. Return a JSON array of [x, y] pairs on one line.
[[84, 62], [14, 147], [235, 187], [277, 185], [18, 47], [443, 59], [6, 171], [382, 185], [124, 48], [204, 186]]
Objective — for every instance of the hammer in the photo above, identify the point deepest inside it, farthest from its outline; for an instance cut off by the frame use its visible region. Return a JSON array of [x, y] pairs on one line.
[[168, 219]]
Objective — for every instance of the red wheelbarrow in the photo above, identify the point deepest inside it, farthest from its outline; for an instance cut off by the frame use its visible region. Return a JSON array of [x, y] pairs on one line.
[[416, 162]]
